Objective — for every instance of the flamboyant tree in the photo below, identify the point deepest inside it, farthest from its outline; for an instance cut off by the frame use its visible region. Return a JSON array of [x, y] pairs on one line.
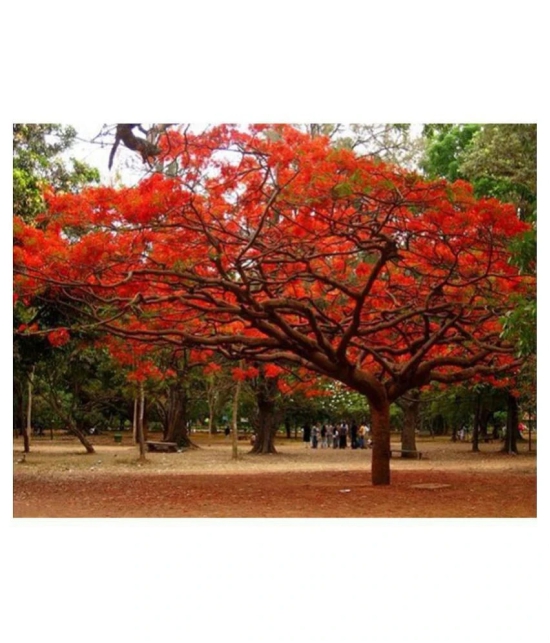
[[270, 246]]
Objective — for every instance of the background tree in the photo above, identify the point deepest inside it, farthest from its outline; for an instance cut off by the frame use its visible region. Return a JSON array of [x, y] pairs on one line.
[[500, 160], [410, 403], [445, 149], [218, 387], [37, 163]]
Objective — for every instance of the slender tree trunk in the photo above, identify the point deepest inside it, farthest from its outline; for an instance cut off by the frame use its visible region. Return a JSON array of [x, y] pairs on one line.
[[69, 422], [380, 418], [411, 407], [484, 417], [210, 422], [135, 421], [235, 422], [81, 436], [19, 414], [512, 422], [211, 397], [475, 431], [28, 425], [140, 431]]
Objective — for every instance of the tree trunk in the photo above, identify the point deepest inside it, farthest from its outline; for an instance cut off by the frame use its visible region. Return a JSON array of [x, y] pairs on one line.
[[82, 437], [380, 418], [265, 435], [176, 420], [484, 417], [234, 422], [19, 413], [69, 422], [212, 394], [28, 425], [210, 428], [512, 422], [135, 421], [411, 407], [266, 425], [140, 430], [475, 431]]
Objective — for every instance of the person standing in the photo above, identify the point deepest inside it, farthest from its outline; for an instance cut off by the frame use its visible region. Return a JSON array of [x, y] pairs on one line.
[[354, 431], [361, 436], [335, 438], [342, 434], [314, 436], [307, 434], [329, 436]]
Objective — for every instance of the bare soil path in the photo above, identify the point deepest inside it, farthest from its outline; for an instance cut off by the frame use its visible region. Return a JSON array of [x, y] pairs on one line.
[[57, 479]]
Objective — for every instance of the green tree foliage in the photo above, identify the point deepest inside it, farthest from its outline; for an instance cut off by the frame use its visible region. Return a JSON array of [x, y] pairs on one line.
[[84, 387], [446, 148], [501, 161], [37, 161]]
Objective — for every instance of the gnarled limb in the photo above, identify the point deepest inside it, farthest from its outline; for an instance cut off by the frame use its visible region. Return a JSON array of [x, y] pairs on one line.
[[145, 147]]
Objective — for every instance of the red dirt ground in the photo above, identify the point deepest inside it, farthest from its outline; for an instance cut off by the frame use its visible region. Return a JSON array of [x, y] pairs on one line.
[[298, 483], [278, 495]]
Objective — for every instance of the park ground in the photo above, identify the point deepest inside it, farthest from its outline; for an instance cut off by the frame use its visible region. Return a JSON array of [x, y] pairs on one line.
[[59, 479]]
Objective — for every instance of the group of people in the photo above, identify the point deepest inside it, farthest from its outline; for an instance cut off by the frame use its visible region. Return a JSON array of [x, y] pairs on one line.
[[337, 436]]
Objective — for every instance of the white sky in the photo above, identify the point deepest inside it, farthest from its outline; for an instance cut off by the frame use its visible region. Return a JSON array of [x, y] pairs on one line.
[[127, 166]]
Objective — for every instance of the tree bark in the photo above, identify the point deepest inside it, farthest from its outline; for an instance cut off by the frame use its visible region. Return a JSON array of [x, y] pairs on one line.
[[475, 430], [288, 429], [380, 418], [235, 422], [176, 420], [82, 437], [135, 420], [212, 395], [210, 428], [70, 423], [484, 417], [19, 412], [266, 425], [411, 407], [265, 435], [28, 424], [140, 430], [454, 434], [512, 422]]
